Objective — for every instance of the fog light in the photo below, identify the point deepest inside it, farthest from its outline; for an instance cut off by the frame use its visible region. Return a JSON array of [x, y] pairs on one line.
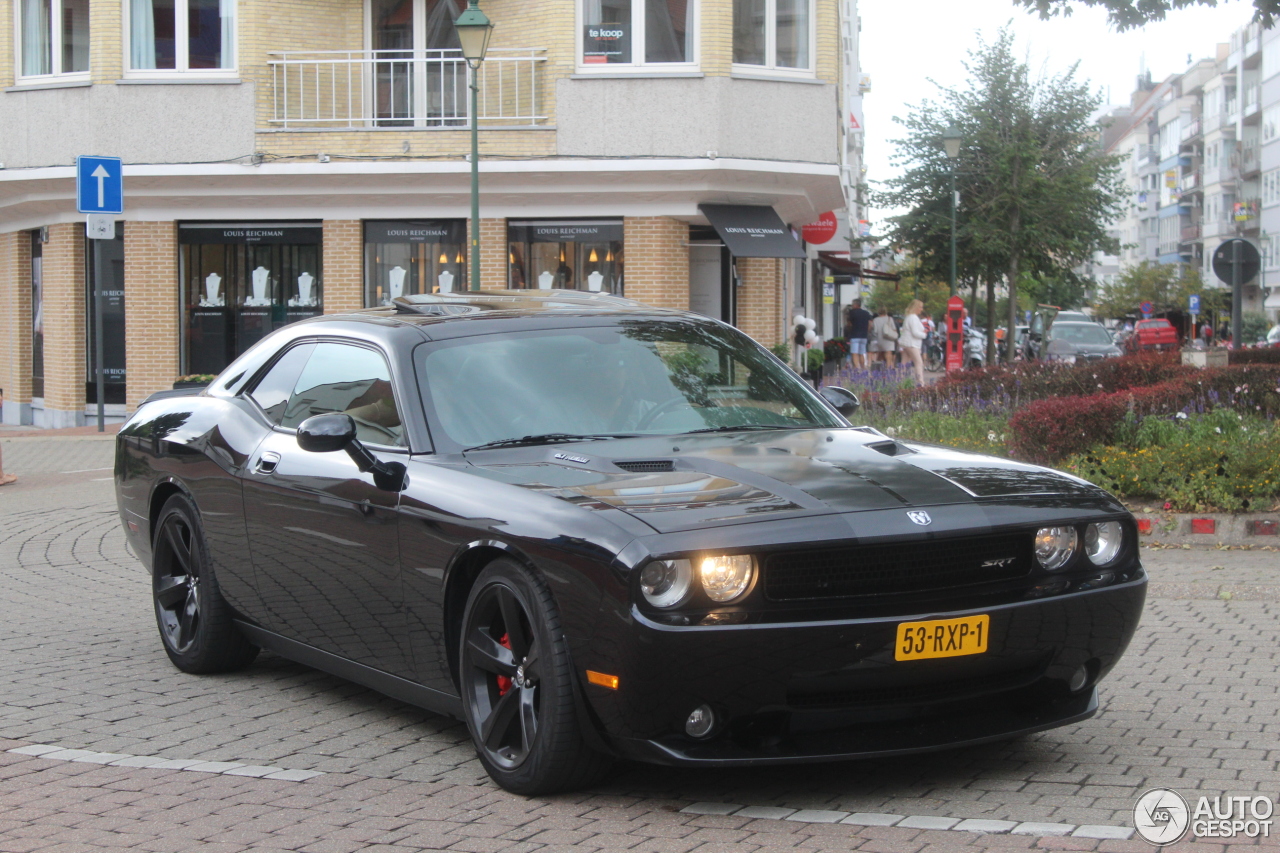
[[700, 723], [1079, 679]]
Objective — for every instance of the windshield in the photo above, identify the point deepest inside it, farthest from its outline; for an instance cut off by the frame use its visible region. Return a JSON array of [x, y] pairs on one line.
[[1080, 333], [638, 377]]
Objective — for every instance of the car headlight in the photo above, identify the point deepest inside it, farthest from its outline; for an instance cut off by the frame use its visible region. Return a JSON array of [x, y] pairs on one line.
[[726, 578], [1102, 542], [665, 583], [1054, 546]]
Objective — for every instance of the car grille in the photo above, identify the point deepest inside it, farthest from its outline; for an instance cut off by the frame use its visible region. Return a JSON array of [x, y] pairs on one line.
[[905, 567], [647, 466], [911, 694]]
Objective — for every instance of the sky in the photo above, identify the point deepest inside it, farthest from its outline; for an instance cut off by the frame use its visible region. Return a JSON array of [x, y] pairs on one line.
[[906, 43]]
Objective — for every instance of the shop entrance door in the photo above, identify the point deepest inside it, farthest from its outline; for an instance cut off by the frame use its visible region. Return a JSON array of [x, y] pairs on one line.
[[710, 281], [419, 75]]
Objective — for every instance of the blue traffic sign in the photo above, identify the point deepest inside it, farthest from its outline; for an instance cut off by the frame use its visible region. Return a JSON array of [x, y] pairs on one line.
[[1146, 307], [1194, 306], [99, 185]]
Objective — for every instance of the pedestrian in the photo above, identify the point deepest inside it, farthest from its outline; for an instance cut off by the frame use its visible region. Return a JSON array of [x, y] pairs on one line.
[[6, 479], [882, 341], [912, 338], [857, 325]]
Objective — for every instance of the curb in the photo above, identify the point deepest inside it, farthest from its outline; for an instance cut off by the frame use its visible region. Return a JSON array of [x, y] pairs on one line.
[[1185, 528]]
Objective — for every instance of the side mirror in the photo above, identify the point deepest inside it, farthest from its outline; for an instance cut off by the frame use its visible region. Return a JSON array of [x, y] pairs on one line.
[[337, 431], [842, 400], [326, 433]]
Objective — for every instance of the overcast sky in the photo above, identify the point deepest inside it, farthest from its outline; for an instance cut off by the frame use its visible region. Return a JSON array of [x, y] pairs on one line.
[[905, 43]]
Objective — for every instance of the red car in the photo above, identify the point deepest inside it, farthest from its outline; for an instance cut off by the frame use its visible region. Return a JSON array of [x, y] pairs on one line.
[[1154, 335]]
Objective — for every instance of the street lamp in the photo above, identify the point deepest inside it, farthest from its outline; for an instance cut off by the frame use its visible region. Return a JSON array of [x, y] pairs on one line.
[[474, 29], [951, 144]]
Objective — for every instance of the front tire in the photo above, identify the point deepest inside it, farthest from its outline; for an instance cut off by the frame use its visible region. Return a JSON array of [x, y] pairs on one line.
[[194, 620], [517, 686]]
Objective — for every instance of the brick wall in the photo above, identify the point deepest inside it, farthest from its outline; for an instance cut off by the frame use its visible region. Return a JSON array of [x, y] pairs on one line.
[[64, 318], [106, 47], [656, 253], [8, 61], [15, 320], [151, 308], [493, 254], [343, 265], [760, 298]]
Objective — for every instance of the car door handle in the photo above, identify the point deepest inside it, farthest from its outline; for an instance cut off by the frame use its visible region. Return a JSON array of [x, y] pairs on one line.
[[267, 463]]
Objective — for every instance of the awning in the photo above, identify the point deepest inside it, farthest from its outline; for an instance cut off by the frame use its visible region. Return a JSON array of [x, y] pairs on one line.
[[752, 231], [843, 265]]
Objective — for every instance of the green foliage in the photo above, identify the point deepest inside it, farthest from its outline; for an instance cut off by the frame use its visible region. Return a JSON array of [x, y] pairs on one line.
[[1220, 460], [916, 283], [1036, 191], [815, 358], [971, 430], [782, 350], [1253, 327], [1165, 286], [1129, 14]]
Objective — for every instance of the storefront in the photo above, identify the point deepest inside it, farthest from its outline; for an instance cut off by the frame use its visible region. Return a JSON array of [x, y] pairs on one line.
[[565, 254], [412, 256], [240, 282]]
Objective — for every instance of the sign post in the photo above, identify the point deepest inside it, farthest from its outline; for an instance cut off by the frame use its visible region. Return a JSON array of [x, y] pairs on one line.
[[100, 194], [1235, 262]]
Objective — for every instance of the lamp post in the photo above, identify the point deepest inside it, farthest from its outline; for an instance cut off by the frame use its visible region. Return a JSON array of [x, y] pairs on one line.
[[951, 144], [474, 29]]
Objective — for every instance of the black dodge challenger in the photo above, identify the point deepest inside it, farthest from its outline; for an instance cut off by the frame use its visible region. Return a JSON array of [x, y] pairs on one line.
[[593, 529]]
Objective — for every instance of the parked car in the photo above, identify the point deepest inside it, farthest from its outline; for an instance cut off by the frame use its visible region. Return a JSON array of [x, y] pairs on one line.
[[592, 529], [1042, 321], [1155, 334], [1072, 342]]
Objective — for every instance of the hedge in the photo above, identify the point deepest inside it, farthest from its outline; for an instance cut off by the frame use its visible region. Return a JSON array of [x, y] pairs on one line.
[[1049, 430]]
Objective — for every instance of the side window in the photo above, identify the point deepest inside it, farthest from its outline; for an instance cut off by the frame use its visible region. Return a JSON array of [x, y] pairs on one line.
[[274, 389], [350, 379]]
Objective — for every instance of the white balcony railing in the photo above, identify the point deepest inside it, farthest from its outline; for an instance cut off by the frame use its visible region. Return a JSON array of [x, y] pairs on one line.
[[349, 89]]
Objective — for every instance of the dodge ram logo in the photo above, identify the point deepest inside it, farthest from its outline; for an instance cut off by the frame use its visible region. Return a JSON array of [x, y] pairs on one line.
[[920, 517]]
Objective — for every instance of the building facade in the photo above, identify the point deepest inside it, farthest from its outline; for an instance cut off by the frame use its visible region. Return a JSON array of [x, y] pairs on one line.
[[285, 158]]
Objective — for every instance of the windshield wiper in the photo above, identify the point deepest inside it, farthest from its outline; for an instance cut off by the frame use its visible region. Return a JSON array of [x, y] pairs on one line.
[[741, 427], [548, 438]]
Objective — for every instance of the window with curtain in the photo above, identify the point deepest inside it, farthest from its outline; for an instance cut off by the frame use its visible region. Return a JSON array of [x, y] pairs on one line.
[[181, 35], [54, 37], [774, 34], [637, 33]]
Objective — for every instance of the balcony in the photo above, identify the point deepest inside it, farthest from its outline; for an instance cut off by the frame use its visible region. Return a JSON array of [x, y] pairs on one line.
[[359, 89], [1191, 233], [1190, 131]]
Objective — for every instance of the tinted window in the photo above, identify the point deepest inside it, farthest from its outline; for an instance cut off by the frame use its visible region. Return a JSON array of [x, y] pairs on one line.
[[636, 378], [273, 390], [350, 379]]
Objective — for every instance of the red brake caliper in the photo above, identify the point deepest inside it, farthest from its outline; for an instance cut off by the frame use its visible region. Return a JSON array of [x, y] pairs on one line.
[[504, 683]]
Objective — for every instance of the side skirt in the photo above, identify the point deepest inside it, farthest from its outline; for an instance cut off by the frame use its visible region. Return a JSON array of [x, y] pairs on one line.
[[391, 685]]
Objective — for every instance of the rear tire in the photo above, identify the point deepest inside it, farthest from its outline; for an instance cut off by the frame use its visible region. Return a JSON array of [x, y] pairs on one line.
[[194, 620], [517, 686]]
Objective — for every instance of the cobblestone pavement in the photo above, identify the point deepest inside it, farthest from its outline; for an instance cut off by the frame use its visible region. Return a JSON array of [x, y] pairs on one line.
[[1194, 706]]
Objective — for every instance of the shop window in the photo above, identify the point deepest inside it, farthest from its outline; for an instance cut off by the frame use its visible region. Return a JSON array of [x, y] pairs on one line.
[[181, 35], [565, 255], [621, 34], [104, 264], [54, 37], [773, 34], [240, 282], [409, 257]]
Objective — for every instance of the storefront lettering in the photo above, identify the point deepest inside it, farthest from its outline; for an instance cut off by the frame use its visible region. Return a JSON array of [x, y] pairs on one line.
[[258, 234], [754, 232]]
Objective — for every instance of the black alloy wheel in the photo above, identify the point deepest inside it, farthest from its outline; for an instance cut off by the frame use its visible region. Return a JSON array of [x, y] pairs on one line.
[[194, 620], [517, 685]]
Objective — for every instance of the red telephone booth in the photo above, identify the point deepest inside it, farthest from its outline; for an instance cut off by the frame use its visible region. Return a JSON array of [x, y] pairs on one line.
[[955, 333]]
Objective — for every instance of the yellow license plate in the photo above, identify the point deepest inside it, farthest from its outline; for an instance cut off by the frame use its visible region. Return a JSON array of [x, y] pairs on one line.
[[942, 638]]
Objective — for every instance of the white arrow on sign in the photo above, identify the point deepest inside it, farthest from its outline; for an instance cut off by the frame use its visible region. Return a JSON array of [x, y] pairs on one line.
[[101, 174]]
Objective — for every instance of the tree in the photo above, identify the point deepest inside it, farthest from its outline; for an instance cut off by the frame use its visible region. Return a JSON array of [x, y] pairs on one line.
[[1128, 14], [897, 295], [1036, 191], [1165, 286]]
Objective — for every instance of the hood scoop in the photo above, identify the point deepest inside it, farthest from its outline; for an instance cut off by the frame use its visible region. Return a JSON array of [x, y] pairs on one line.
[[890, 448], [647, 466]]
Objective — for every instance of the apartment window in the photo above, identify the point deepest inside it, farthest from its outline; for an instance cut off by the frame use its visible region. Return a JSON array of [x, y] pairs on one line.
[[775, 34], [1170, 231], [1271, 187], [54, 36], [1169, 139], [181, 35], [1270, 123], [620, 34]]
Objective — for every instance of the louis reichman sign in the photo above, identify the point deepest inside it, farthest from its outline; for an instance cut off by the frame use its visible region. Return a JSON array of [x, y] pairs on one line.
[[752, 231]]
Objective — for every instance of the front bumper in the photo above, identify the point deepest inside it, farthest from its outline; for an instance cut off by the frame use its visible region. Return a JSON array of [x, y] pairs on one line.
[[831, 690]]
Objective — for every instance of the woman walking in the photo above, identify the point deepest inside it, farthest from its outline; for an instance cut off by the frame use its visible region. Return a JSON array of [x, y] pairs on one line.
[[912, 338], [884, 334]]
